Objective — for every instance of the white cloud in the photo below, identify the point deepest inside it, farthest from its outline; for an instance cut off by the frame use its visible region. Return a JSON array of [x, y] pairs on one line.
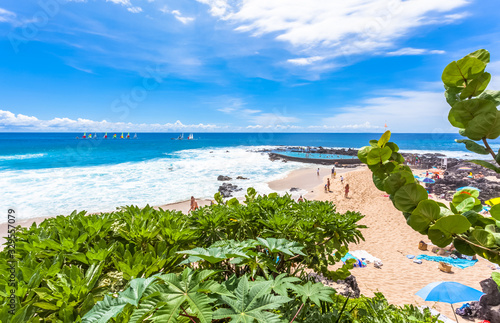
[[414, 51], [177, 14], [122, 2], [305, 60], [135, 9], [335, 28], [6, 15], [402, 110], [12, 122]]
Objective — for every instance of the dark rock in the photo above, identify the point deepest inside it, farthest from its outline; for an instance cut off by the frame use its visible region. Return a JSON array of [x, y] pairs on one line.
[[294, 189], [488, 307], [241, 177], [352, 286], [226, 189], [223, 178]]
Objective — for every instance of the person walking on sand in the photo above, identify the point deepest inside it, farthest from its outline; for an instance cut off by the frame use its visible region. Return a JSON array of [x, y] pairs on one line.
[[194, 204], [328, 184], [317, 172], [341, 179], [346, 190], [333, 172]]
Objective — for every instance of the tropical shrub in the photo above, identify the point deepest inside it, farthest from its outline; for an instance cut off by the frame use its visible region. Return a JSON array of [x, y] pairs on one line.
[[65, 265], [474, 111]]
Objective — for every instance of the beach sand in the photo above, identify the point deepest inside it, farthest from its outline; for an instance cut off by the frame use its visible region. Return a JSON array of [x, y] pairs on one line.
[[390, 239]]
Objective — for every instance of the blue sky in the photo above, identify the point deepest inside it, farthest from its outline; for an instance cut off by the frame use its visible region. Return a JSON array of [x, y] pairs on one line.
[[234, 65]]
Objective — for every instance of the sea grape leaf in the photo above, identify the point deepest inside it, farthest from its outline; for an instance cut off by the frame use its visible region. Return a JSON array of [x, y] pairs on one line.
[[373, 143], [493, 96], [439, 238], [484, 126], [496, 278], [484, 238], [464, 111], [428, 209], [452, 94], [453, 224], [407, 197], [465, 205], [378, 155], [463, 247], [495, 212], [384, 139], [458, 72], [379, 182], [476, 86], [485, 164], [473, 146], [396, 180], [393, 147], [482, 54], [363, 153]]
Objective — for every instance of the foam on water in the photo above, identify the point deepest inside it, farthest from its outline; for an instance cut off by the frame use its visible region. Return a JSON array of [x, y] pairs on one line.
[[48, 192], [23, 156]]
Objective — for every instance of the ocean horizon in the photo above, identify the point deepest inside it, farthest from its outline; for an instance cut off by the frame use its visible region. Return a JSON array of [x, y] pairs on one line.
[[47, 174]]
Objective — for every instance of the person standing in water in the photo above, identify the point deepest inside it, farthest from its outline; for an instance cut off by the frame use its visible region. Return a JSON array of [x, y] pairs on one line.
[[194, 204]]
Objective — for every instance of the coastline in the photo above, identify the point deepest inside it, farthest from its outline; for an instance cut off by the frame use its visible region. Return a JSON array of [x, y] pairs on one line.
[[387, 237]]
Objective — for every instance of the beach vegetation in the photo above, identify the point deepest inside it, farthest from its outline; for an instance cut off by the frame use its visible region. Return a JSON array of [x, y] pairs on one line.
[[474, 111]]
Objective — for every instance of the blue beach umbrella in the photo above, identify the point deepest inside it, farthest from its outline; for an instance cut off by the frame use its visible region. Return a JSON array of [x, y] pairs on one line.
[[449, 292], [468, 188], [426, 180]]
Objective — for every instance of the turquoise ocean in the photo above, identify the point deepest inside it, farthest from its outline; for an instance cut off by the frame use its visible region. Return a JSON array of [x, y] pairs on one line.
[[47, 174]]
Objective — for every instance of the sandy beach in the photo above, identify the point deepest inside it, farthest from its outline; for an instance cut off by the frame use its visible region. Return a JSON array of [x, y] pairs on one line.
[[389, 238]]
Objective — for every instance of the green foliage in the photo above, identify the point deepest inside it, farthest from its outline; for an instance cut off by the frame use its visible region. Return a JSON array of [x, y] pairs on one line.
[[67, 264], [474, 111]]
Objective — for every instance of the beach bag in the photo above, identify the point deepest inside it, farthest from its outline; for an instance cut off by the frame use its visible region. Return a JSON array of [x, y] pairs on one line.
[[422, 246], [444, 267], [465, 310]]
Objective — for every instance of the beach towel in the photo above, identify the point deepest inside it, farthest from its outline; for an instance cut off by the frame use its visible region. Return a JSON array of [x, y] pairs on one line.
[[364, 255], [358, 263], [459, 263]]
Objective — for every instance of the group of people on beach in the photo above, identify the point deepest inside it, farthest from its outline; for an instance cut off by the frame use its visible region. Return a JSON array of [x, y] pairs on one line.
[[333, 176]]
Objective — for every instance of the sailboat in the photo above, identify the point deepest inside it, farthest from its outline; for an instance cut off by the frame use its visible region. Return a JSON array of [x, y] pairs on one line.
[[106, 135], [128, 135], [84, 135], [190, 137], [135, 136], [90, 136], [121, 137], [181, 136], [95, 135], [114, 136]]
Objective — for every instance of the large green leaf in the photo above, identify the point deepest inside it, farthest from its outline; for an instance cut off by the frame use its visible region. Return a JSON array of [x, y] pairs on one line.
[[439, 238], [482, 54], [458, 72], [282, 245], [384, 139], [484, 238], [466, 205], [476, 86], [408, 196], [426, 212], [104, 310], [473, 146], [453, 224], [493, 96], [495, 211], [363, 153], [484, 126], [396, 180], [463, 247], [314, 292], [251, 304], [452, 94], [464, 112], [378, 155], [496, 278]]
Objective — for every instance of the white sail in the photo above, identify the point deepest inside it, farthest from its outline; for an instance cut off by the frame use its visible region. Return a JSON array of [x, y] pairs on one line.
[[190, 137]]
